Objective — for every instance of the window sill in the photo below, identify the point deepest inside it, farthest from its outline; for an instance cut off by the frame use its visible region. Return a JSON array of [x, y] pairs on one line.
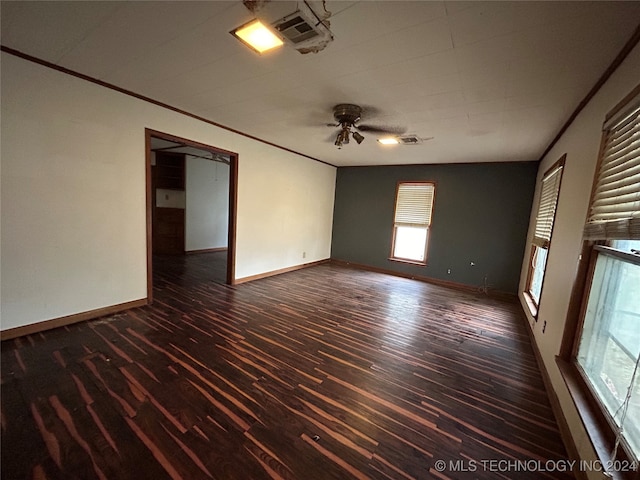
[[599, 432], [410, 262], [533, 308]]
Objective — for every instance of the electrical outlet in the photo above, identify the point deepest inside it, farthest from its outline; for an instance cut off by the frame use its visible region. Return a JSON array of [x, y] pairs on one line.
[[304, 254], [449, 271]]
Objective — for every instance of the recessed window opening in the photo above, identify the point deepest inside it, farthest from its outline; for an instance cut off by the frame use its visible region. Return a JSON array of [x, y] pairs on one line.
[[545, 218], [412, 221]]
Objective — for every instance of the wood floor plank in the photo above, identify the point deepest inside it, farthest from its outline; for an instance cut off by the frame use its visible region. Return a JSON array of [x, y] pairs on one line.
[[22, 445], [327, 372]]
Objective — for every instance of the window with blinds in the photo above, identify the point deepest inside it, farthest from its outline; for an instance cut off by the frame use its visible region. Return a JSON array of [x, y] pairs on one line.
[[547, 206], [615, 205], [606, 346], [545, 217], [412, 219]]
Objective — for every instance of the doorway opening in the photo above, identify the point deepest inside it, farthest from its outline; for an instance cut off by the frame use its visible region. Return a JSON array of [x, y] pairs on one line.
[[191, 203]]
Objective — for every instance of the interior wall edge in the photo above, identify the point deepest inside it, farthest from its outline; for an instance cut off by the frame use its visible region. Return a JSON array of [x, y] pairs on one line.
[[206, 250], [507, 296], [563, 425], [279, 271], [41, 326], [613, 66]]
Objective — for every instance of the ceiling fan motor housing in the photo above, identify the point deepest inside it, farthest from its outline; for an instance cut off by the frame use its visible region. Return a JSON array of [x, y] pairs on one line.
[[347, 113]]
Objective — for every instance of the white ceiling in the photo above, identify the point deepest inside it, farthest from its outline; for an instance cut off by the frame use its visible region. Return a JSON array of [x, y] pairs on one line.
[[490, 81]]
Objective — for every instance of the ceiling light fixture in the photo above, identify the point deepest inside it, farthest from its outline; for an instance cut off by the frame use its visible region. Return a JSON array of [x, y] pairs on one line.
[[257, 36], [343, 137], [388, 141]]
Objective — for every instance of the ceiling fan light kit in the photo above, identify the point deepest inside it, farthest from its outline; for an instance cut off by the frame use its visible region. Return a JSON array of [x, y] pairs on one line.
[[342, 138], [347, 116]]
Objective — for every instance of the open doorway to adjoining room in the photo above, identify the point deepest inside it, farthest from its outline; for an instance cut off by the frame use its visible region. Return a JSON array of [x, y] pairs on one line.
[[191, 205]]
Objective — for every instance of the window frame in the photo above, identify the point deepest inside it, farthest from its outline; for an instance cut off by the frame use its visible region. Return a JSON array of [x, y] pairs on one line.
[[532, 304], [395, 225], [598, 423]]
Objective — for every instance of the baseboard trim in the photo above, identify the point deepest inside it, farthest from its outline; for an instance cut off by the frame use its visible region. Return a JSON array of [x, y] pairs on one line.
[[30, 329], [206, 250], [561, 420], [434, 281], [279, 271]]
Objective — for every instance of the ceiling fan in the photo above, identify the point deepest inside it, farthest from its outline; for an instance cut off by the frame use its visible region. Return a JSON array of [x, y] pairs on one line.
[[347, 116]]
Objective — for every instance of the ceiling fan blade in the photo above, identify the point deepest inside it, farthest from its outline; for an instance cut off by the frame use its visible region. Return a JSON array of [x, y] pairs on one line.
[[395, 130], [369, 111]]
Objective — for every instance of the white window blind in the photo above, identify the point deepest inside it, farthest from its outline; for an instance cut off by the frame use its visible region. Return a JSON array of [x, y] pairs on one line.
[[414, 204], [547, 206], [615, 205]]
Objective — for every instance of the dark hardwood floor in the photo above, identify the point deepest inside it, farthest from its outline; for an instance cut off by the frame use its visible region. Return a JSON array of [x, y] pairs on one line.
[[322, 373], [199, 268]]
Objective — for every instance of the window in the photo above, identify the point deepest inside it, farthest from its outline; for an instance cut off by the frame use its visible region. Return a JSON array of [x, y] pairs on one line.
[[412, 219], [545, 217], [609, 346], [606, 343]]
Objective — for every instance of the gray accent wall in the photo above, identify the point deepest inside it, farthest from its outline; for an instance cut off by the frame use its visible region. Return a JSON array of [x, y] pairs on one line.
[[481, 215]]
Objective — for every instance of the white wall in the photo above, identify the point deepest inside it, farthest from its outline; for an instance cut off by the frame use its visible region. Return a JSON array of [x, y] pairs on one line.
[[166, 198], [581, 143], [296, 190], [73, 195], [207, 215]]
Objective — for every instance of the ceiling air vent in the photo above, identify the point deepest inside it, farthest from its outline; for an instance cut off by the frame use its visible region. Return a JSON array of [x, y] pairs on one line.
[[305, 30], [303, 25], [295, 28], [409, 140]]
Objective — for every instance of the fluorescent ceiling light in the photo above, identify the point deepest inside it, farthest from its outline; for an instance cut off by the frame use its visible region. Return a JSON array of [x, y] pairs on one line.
[[388, 141], [257, 36]]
